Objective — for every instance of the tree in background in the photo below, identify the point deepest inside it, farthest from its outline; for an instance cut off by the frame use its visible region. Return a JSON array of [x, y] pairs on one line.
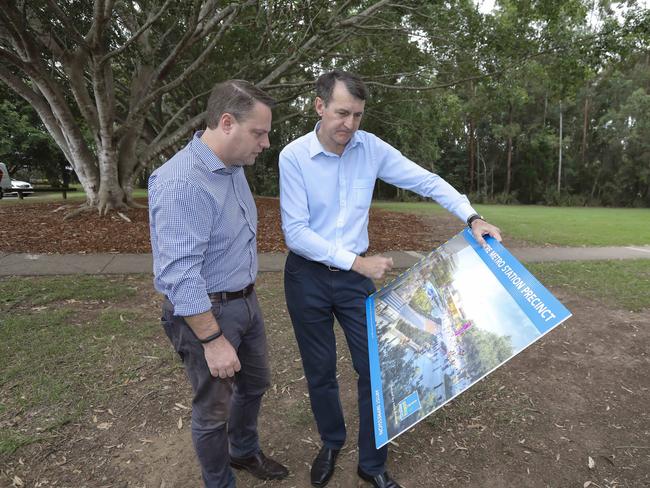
[[475, 96], [25, 146], [118, 84]]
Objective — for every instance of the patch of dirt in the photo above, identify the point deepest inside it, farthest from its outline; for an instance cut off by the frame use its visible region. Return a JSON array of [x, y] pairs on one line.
[[39, 228], [580, 392]]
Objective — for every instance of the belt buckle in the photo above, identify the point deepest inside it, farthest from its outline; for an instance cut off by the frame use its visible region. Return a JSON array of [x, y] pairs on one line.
[[332, 268]]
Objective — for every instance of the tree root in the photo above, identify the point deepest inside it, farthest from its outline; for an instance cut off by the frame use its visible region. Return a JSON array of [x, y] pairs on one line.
[[78, 211], [102, 211], [124, 217], [134, 204]]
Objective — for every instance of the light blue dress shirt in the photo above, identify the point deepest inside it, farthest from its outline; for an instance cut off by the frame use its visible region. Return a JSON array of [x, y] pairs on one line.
[[203, 224], [325, 198]]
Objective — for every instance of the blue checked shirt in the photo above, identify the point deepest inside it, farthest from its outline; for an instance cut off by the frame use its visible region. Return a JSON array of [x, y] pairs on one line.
[[325, 198], [203, 223]]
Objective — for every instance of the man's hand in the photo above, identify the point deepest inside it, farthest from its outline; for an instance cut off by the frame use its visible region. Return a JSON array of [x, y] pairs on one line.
[[221, 358], [372, 267], [481, 228], [219, 354]]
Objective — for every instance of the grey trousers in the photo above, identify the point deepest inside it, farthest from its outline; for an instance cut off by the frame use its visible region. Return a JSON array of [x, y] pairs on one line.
[[224, 411]]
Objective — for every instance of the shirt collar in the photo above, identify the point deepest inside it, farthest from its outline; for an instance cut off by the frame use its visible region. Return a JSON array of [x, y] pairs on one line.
[[209, 158], [315, 147]]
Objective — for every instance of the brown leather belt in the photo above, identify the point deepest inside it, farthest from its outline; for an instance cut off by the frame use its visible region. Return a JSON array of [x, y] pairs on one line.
[[224, 296]]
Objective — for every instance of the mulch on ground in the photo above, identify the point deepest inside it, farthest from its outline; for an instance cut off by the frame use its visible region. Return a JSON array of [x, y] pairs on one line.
[[40, 228]]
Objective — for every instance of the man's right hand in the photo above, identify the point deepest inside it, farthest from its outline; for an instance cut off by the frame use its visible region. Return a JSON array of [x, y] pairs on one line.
[[373, 267], [221, 358], [219, 354]]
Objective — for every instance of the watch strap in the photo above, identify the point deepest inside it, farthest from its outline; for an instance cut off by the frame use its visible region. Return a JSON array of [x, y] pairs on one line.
[[472, 218]]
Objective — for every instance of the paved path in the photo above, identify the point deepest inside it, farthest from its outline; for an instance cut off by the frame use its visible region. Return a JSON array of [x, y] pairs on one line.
[[60, 264]]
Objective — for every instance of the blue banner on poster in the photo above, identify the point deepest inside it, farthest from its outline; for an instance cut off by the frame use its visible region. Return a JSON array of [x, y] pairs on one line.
[[454, 317]]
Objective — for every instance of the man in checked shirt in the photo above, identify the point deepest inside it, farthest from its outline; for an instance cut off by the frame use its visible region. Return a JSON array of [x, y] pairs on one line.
[[203, 224]]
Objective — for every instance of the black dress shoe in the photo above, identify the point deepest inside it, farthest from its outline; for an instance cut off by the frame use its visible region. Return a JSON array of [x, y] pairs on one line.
[[322, 468], [260, 466], [382, 480]]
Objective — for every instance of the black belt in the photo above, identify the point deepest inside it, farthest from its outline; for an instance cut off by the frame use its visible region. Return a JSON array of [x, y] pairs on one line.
[[224, 296]]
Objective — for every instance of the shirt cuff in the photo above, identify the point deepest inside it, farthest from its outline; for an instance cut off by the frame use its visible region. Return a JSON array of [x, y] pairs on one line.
[[344, 259], [464, 211], [194, 308]]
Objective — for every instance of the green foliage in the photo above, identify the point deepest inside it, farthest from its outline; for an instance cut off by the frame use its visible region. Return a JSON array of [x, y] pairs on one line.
[[484, 351], [420, 337], [25, 146], [421, 303], [476, 97]]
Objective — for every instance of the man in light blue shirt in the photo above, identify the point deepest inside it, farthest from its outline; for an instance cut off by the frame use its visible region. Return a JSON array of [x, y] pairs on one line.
[[203, 225], [327, 179]]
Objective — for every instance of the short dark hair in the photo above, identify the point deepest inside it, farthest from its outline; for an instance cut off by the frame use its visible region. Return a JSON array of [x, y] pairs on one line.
[[354, 84], [236, 97]]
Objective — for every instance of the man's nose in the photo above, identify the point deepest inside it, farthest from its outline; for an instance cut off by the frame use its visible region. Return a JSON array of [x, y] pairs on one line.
[[266, 143]]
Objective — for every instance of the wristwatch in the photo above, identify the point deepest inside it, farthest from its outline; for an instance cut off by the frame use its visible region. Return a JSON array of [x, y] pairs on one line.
[[472, 218]]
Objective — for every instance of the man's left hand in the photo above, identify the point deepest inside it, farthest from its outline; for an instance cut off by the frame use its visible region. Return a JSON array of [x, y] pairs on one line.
[[481, 228]]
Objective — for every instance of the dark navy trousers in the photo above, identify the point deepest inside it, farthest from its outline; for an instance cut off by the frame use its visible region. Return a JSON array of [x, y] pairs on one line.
[[315, 295]]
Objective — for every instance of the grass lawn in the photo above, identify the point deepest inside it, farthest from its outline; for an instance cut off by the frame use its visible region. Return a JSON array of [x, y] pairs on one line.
[[560, 226], [66, 345], [623, 284]]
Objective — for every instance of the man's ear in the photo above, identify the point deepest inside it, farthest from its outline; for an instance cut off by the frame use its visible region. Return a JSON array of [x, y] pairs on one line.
[[319, 105], [226, 122]]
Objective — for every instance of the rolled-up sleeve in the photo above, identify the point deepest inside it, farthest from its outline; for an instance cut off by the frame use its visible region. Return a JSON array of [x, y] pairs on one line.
[[180, 221], [294, 207]]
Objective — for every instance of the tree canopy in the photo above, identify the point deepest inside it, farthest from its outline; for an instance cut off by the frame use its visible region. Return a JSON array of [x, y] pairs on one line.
[[479, 97]]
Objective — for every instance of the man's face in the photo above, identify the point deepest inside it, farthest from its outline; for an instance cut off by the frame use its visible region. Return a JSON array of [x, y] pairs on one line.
[[340, 119], [250, 136]]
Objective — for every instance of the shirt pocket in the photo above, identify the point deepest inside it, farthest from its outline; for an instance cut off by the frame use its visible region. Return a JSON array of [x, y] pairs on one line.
[[362, 192]]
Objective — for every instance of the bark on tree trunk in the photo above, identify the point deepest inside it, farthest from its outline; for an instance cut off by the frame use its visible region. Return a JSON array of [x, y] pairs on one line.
[[472, 154], [585, 127], [509, 156]]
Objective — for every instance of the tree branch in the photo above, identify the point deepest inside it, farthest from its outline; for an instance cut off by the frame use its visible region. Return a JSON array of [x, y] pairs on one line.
[[74, 69], [67, 23], [302, 49], [198, 62], [365, 15], [162, 132], [154, 150], [137, 34]]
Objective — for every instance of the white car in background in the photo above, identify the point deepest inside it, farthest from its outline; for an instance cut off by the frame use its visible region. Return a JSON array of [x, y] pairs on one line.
[[9, 186], [20, 185]]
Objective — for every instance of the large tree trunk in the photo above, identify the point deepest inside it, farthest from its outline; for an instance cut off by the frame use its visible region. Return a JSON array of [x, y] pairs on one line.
[[585, 128], [471, 157]]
